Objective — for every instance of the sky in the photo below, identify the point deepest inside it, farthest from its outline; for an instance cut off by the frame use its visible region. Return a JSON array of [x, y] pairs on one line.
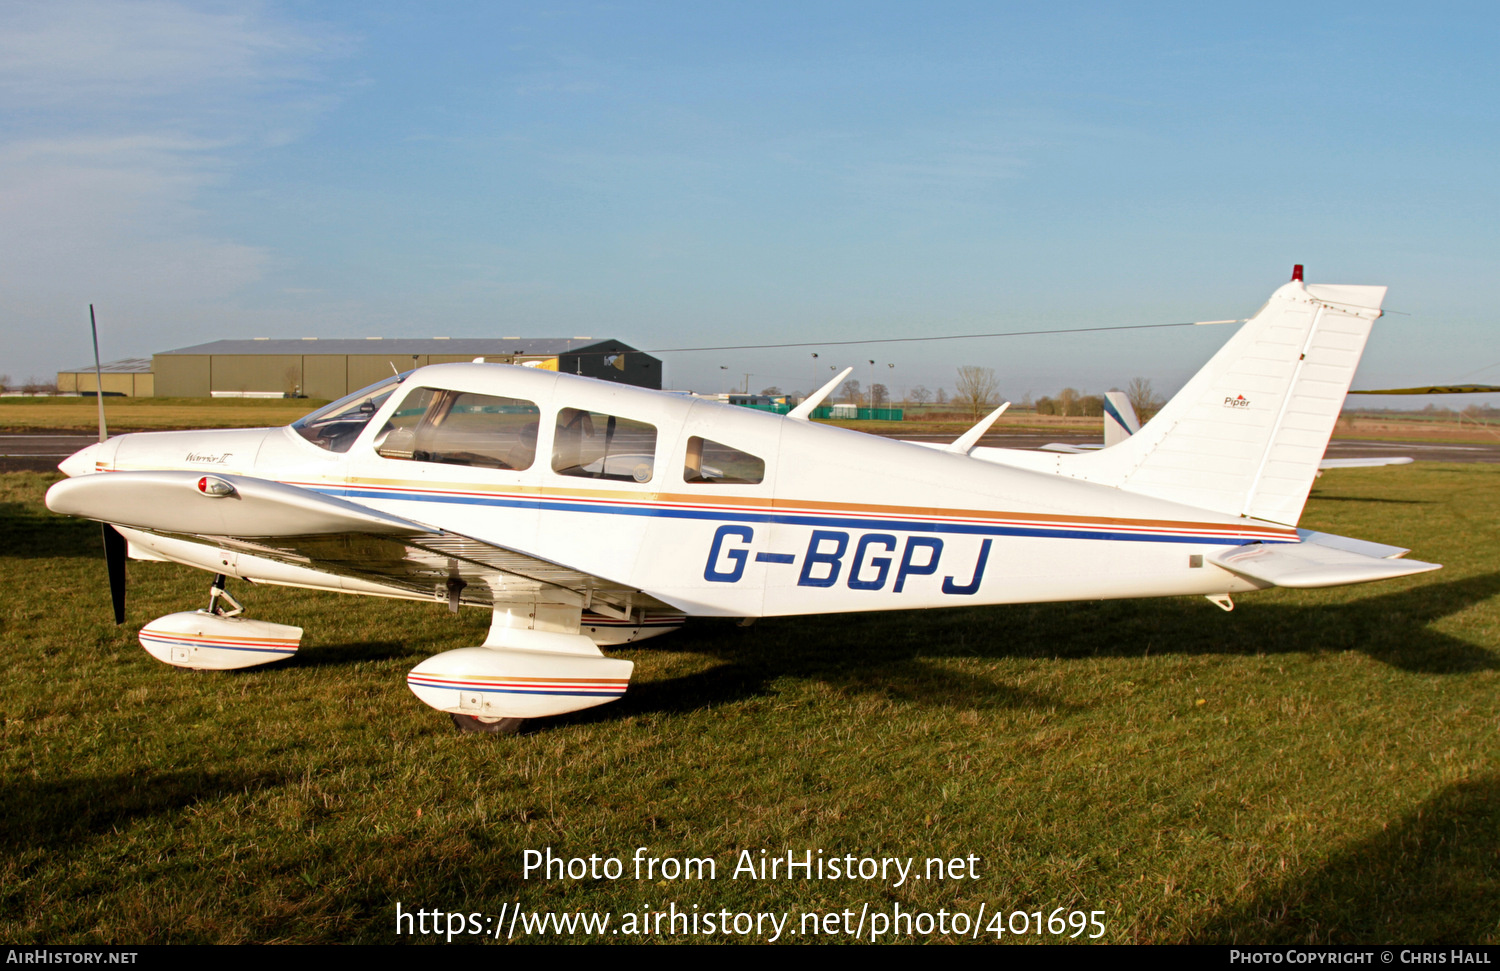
[[689, 175]]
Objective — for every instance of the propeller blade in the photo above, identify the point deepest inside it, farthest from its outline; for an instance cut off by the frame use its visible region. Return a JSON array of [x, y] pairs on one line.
[[114, 559], [99, 391]]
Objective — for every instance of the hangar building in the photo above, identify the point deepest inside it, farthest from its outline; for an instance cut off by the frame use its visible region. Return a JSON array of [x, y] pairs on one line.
[[331, 368], [131, 378]]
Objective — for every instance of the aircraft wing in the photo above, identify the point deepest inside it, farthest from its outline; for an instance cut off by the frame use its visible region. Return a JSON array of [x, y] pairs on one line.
[[330, 535], [1435, 389], [1364, 463], [1320, 560]]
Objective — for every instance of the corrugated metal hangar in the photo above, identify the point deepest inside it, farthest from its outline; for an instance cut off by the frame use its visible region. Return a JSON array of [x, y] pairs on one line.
[[131, 378], [331, 368]]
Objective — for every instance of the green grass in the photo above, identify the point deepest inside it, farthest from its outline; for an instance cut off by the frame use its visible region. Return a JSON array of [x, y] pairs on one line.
[[149, 414], [1317, 766]]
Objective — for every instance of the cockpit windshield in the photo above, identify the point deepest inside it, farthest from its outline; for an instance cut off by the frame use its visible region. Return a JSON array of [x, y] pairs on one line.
[[335, 426]]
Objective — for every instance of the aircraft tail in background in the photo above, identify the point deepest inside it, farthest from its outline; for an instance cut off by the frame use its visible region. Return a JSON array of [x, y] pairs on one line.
[[1120, 421]]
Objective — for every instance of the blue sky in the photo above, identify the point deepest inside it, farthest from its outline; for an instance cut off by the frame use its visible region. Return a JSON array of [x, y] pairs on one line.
[[680, 174]]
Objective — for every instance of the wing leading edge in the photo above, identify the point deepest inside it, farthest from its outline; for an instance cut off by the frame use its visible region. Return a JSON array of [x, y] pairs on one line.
[[329, 535]]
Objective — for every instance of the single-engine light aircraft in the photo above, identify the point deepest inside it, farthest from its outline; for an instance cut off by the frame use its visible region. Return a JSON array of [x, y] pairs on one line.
[[585, 514]]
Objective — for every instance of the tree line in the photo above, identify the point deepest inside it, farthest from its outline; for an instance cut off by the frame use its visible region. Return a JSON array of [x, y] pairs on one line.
[[978, 392]]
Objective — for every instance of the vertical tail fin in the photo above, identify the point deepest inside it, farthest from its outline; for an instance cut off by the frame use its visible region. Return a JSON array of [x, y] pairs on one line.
[[1245, 436]]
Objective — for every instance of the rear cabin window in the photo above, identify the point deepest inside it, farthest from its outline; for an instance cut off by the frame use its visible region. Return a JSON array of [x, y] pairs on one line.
[[714, 463], [458, 428], [592, 445]]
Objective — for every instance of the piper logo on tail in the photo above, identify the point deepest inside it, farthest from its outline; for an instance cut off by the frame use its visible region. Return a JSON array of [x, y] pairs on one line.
[[1238, 401]]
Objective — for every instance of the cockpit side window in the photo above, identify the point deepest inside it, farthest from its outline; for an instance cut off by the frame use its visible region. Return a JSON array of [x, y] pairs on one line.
[[713, 463], [335, 426], [458, 428], [593, 445]]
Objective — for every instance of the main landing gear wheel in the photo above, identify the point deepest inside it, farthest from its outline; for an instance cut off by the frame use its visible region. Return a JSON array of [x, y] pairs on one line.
[[488, 726]]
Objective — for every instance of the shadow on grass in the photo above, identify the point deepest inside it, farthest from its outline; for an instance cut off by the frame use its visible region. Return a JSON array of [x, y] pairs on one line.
[[30, 534], [1430, 878], [1395, 628], [337, 655], [893, 669], [60, 813], [895, 654]]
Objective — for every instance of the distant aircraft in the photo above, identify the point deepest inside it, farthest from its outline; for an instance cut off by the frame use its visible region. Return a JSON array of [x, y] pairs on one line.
[[1120, 422], [585, 514]]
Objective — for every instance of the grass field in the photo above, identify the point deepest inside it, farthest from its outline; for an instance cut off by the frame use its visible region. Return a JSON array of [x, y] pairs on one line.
[[149, 414], [1316, 766]]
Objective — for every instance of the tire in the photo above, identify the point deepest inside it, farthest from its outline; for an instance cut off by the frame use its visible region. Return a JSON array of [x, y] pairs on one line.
[[488, 726]]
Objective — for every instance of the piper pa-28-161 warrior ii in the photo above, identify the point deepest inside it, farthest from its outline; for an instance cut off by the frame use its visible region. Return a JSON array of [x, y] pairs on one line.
[[586, 514]]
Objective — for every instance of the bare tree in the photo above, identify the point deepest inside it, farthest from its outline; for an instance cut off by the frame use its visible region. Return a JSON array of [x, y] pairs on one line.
[[976, 389], [921, 395], [879, 395], [1067, 401], [942, 397], [772, 390], [1143, 398], [850, 391]]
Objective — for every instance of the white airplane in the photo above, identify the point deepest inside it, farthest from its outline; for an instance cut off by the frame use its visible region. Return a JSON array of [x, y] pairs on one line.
[[1120, 422], [586, 514]]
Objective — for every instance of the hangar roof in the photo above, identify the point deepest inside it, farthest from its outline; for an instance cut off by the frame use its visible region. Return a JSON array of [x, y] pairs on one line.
[[129, 365]]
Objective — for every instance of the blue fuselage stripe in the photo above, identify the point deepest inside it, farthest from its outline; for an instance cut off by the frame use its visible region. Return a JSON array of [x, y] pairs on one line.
[[801, 519]]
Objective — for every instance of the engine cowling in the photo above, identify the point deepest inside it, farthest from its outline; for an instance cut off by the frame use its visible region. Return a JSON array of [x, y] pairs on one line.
[[203, 641]]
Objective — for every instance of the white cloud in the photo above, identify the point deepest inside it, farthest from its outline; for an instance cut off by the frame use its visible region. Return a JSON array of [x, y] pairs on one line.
[[114, 119], [113, 54]]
